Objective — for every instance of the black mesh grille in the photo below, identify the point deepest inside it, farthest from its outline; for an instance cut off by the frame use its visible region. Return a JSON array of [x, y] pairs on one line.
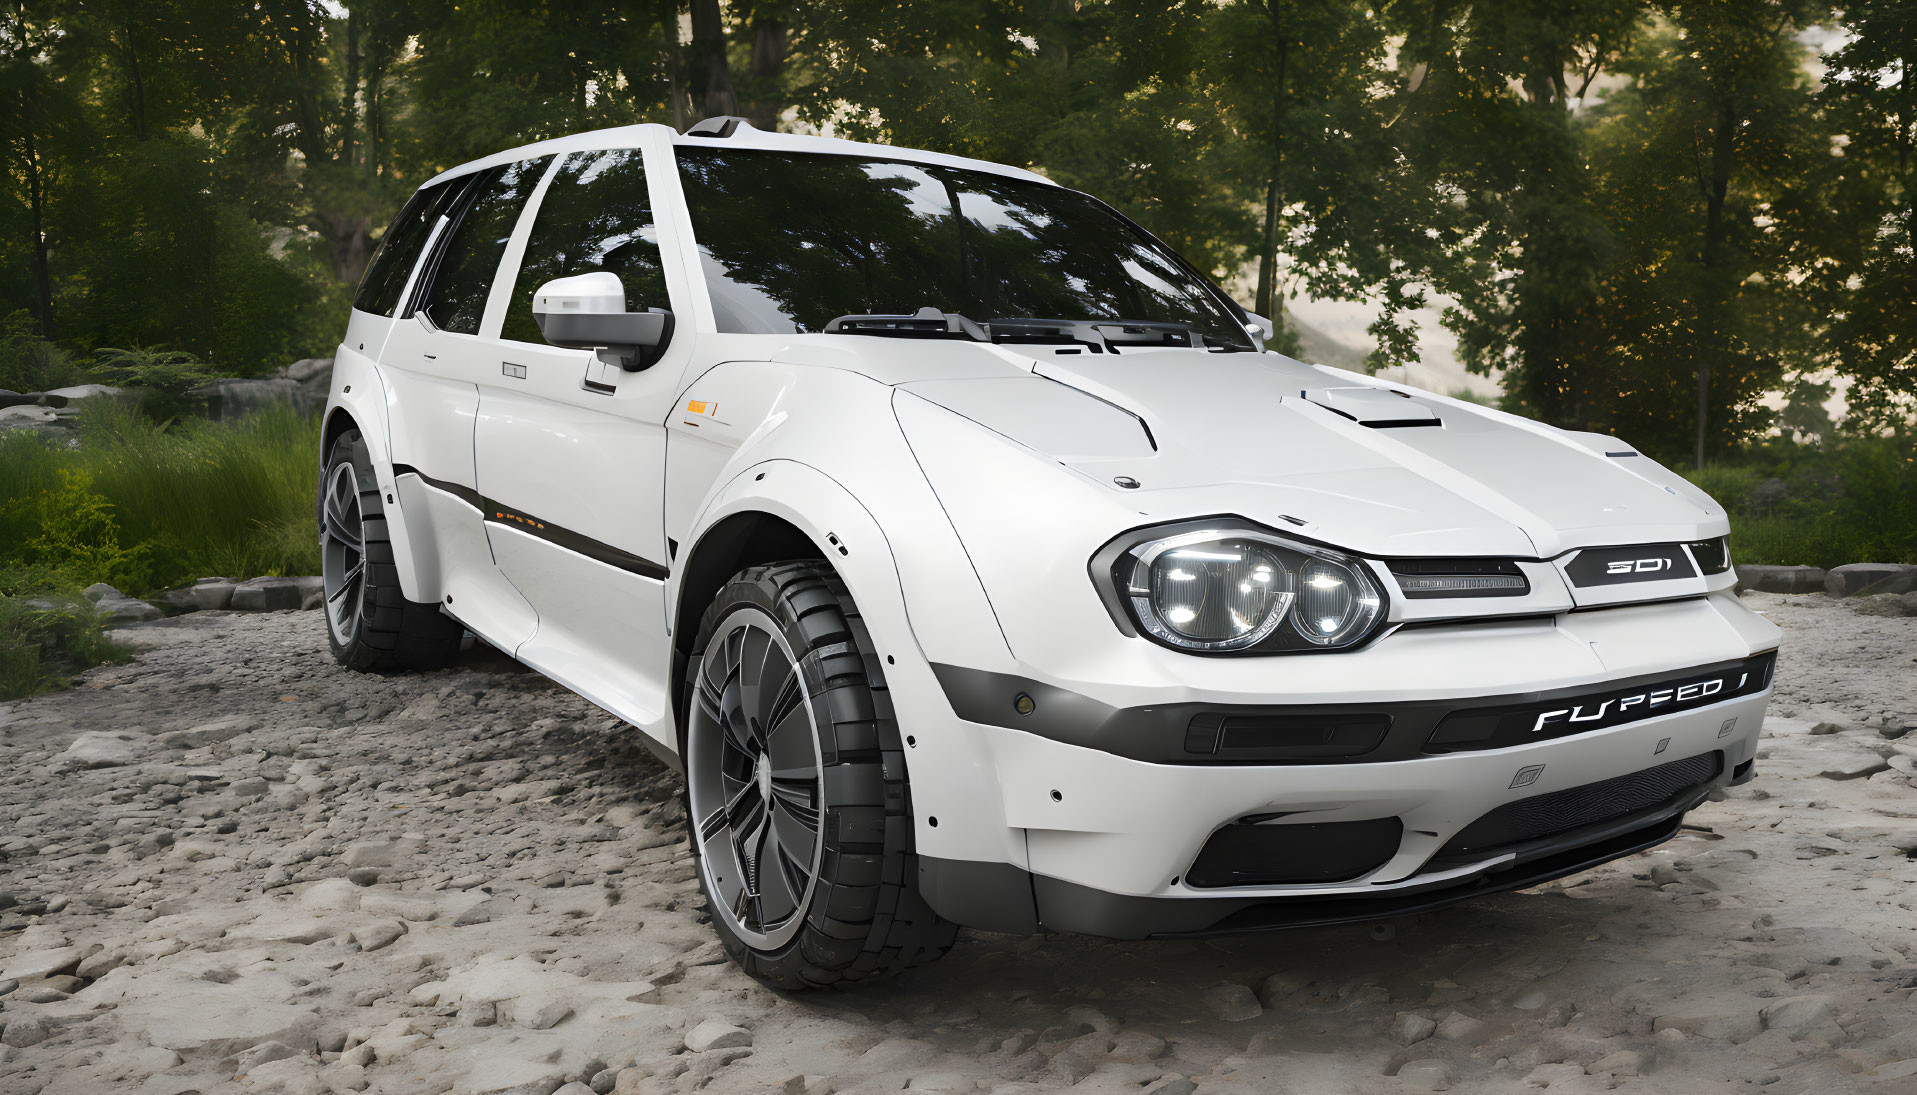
[[1576, 807]]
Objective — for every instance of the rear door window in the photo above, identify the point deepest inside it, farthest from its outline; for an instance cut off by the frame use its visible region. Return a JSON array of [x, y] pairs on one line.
[[469, 260], [596, 215], [399, 247]]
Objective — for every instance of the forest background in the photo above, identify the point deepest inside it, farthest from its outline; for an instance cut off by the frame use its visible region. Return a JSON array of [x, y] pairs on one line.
[[1690, 223]]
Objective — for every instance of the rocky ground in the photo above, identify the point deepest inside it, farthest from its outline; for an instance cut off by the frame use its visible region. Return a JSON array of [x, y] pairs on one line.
[[231, 867]]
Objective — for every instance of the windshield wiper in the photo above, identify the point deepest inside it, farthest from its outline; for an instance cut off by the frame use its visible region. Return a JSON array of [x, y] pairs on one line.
[[927, 322], [1102, 335]]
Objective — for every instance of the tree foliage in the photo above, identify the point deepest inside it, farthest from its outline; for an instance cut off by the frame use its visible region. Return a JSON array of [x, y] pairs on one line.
[[1647, 216]]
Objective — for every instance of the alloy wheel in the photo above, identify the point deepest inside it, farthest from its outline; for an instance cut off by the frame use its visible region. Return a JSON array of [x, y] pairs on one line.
[[342, 552], [753, 771]]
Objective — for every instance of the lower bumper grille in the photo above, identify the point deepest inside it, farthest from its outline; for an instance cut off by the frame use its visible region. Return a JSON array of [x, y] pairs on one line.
[[1280, 855], [1544, 816]]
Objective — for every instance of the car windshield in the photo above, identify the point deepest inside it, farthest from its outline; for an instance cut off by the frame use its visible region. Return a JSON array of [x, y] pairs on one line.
[[790, 242]]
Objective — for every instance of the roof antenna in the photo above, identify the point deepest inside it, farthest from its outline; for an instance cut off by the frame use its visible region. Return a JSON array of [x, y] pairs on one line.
[[719, 126]]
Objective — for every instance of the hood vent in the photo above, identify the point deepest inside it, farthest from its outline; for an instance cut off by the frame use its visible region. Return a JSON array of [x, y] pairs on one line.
[[1378, 408]]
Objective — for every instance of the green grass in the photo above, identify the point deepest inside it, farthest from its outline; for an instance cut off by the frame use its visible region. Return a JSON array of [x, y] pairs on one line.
[[42, 645], [148, 507], [1802, 505]]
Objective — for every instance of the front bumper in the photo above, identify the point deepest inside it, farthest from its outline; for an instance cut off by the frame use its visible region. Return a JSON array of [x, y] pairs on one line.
[[1112, 843]]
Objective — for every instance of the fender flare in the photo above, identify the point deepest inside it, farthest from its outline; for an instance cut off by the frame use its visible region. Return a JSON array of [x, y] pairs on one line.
[[852, 540], [358, 399]]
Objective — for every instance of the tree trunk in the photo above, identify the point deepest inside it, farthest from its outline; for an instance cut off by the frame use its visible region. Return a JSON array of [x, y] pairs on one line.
[[768, 64], [349, 95], [675, 76], [36, 201], [711, 81], [1266, 299], [135, 85], [1709, 340], [1267, 254]]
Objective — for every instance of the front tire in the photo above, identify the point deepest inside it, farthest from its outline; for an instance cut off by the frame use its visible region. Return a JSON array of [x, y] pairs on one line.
[[796, 792], [369, 622]]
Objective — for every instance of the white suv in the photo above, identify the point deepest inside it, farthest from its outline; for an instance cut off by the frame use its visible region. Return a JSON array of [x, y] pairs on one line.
[[978, 566]]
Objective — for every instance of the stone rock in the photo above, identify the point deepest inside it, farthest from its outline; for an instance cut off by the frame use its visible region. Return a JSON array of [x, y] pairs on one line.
[[380, 933], [1847, 762], [250, 787], [1625, 1062], [1426, 1074], [83, 391], [716, 1033], [1775, 579], [1823, 728], [120, 611], [261, 1054], [551, 1013], [308, 368], [200, 1018], [102, 749], [383, 853], [100, 591], [1852, 579], [1724, 1016], [574, 1088], [1886, 604], [333, 893], [1553, 1075], [50, 962], [1459, 1027], [213, 593], [1232, 1003], [267, 595], [24, 1032], [485, 911], [175, 602], [208, 733], [1410, 1028], [1800, 1017], [232, 398]]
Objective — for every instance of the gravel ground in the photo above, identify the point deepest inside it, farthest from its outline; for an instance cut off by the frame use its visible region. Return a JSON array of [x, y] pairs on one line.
[[231, 867]]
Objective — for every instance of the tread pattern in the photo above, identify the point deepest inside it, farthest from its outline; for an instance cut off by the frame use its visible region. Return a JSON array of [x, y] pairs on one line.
[[866, 919], [394, 633]]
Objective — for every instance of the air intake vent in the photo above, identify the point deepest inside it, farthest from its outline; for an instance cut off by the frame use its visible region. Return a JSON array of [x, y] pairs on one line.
[[1379, 408]]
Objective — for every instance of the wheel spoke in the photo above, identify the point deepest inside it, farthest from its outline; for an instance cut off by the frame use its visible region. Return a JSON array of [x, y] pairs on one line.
[[790, 744], [756, 653], [778, 898], [794, 834], [346, 583]]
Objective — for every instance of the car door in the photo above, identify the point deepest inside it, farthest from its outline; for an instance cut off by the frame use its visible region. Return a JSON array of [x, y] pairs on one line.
[[432, 358], [570, 452]]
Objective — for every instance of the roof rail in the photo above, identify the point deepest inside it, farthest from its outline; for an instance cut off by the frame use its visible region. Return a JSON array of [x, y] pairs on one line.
[[719, 126]]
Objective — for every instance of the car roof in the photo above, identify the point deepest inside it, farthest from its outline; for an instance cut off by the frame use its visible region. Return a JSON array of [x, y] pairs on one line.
[[743, 135]]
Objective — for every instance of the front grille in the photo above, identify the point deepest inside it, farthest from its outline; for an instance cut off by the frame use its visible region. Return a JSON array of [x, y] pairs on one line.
[[1252, 854], [1559, 812]]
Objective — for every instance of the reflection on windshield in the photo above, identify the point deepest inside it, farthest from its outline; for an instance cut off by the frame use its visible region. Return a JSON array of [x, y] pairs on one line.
[[790, 241]]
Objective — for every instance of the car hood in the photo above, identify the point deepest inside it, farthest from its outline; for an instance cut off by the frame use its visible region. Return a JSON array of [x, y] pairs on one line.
[[1337, 456]]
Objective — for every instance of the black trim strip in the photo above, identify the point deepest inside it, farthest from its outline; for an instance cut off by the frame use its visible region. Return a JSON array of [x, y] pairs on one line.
[[1159, 734], [495, 512]]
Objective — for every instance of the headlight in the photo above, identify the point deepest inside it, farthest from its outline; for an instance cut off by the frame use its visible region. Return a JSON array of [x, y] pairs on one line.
[[1223, 590]]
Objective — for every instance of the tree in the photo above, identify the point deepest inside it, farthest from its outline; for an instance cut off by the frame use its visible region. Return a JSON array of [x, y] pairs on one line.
[[1867, 285], [41, 108]]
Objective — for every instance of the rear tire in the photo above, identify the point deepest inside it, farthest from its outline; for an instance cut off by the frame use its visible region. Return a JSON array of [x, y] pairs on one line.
[[796, 792], [369, 622]]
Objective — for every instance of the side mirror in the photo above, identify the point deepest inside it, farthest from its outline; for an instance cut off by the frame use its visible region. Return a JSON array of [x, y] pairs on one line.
[[588, 312], [1259, 326]]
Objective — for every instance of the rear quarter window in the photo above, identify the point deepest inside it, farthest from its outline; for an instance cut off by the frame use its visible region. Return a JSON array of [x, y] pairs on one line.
[[469, 259], [400, 245]]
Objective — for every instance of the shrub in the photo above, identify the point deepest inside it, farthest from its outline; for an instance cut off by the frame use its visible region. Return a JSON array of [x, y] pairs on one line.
[[197, 499], [29, 363], [45, 640], [1853, 501], [163, 379]]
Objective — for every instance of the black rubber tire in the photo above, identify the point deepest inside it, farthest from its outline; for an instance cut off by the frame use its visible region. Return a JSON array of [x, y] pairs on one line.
[[393, 632], [865, 919]]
